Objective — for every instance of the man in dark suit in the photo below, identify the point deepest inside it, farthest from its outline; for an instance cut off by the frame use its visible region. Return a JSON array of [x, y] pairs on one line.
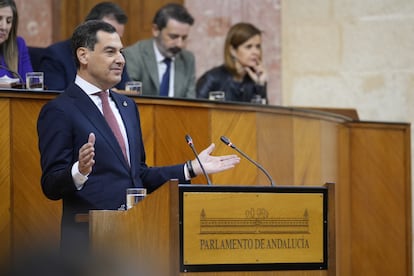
[[83, 160], [58, 63], [145, 59]]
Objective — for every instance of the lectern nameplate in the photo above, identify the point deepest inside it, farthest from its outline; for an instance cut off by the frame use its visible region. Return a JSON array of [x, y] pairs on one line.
[[252, 228]]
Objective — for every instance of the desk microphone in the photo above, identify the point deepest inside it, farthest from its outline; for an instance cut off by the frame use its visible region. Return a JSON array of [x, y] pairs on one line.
[[227, 141], [15, 74], [190, 143]]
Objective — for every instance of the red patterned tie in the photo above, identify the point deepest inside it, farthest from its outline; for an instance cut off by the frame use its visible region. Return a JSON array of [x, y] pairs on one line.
[[111, 120]]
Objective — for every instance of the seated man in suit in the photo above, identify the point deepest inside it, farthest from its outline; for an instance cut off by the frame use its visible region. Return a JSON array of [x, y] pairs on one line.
[[58, 63], [90, 139], [161, 63]]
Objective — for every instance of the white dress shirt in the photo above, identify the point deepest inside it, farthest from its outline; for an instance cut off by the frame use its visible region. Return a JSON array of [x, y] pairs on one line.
[[162, 67], [90, 90]]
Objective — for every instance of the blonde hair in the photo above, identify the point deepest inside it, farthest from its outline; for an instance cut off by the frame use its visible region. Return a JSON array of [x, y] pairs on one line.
[[9, 48]]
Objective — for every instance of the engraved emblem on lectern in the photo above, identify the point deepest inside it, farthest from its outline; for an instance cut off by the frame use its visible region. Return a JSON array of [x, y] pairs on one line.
[[255, 221]]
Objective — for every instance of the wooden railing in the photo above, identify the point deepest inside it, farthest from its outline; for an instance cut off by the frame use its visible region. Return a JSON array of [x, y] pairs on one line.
[[368, 161]]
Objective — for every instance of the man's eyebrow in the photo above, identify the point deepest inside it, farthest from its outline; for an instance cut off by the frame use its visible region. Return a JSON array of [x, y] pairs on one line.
[[177, 35], [109, 47]]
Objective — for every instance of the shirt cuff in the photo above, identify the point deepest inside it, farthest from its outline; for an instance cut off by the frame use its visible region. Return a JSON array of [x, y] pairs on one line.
[[78, 178], [186, 173]]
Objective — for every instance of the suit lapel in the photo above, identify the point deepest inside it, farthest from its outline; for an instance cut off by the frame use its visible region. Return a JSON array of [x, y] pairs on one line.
[[179, 75], [152, 67], [126, 115], [92, 113]]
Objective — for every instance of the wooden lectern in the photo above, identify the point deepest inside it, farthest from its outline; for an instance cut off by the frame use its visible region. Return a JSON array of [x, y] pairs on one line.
[[212, 230]]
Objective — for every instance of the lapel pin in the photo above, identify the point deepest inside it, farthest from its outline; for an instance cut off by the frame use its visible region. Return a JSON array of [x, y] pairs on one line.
[[124, 103]]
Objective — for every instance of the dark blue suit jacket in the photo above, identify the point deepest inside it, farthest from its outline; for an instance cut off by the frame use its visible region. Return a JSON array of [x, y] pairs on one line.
[[63, 127], [59, 67]]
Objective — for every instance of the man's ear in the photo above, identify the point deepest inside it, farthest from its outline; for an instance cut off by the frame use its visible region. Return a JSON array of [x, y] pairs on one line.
[[82, 53], [155, 30]]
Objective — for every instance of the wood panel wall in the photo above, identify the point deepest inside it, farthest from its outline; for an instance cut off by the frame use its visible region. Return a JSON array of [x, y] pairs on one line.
[[369, 162], [26, 190], [5, 185], [374, 207], [71, 13]]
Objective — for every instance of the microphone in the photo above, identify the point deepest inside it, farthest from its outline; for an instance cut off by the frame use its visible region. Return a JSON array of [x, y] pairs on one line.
[[14, 73], [190, 143], [227, 141]]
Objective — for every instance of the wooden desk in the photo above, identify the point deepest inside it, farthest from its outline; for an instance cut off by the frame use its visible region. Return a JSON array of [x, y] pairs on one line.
[[369, 162]]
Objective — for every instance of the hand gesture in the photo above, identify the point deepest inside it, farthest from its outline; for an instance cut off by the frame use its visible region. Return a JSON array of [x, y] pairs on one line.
[[214, 164], [257, 73], [86, 155]]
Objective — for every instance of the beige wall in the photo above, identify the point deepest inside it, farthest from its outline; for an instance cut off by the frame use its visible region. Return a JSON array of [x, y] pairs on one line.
[[350, 53], [35, 21]]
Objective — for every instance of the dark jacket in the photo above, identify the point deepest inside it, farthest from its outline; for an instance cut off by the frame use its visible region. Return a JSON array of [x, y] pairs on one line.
[[220, 79], [63, 127], [58, 65]]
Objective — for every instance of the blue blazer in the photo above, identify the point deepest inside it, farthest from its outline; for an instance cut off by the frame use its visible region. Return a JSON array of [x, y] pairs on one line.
[[58, 65], [63, 127], [24, 64]]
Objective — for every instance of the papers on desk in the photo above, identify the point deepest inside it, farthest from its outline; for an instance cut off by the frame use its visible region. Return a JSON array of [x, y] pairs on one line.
[[6, 81]]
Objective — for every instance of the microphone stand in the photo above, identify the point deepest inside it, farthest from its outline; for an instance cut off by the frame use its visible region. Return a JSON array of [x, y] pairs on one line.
[[190, 143], [227, 141]]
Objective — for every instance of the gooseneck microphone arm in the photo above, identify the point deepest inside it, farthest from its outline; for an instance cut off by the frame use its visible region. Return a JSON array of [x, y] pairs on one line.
[[190, 143], [227, 141]]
